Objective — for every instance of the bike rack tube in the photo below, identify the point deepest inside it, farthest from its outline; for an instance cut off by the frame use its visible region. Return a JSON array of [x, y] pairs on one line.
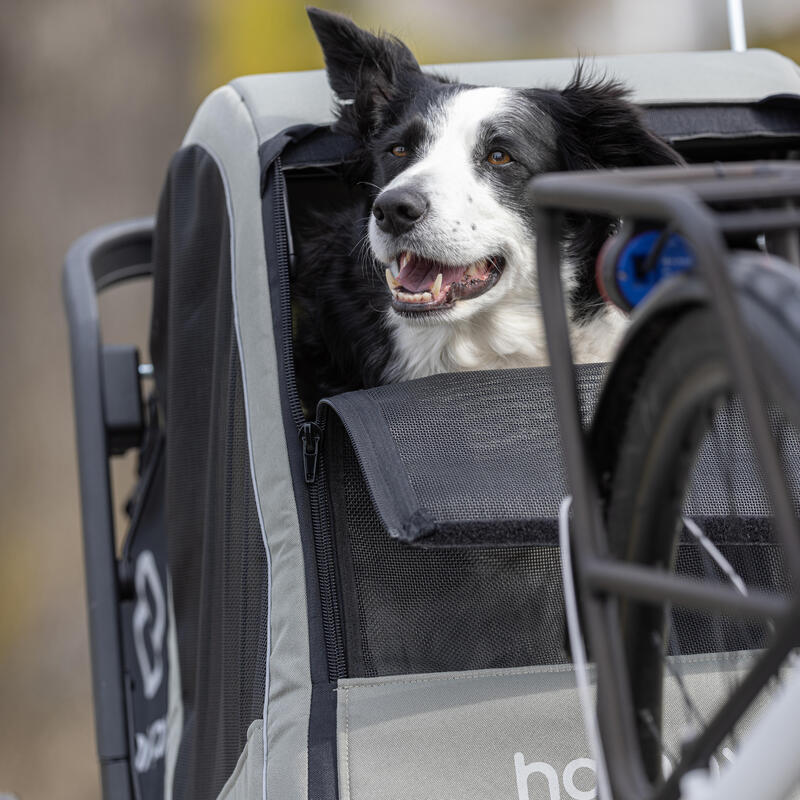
[[97, 260]]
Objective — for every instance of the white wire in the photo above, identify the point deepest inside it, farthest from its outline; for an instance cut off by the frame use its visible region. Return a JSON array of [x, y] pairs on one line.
[[736, 26], [579, 653], [719, 559]]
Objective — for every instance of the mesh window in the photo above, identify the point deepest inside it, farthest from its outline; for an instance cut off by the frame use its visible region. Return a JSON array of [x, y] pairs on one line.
[[758, 564], [483, 445], [216, 554], [413, 610], [460, 601]]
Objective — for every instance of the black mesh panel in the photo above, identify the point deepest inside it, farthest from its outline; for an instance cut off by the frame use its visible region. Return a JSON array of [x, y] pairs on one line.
[[483, 445], [417, 610], [758, 564], [216, 554], [479, 449]]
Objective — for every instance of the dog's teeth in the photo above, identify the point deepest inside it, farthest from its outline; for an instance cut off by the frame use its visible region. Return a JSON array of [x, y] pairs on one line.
[[475, 270], [391, 280], [403, 260], [437, 285], [412, 297]]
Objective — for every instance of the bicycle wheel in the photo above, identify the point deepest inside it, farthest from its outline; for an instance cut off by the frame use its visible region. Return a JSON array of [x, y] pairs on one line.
[[683, 491]]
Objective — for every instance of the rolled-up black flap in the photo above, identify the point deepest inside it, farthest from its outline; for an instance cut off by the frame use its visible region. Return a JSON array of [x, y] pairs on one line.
[[464, 459]]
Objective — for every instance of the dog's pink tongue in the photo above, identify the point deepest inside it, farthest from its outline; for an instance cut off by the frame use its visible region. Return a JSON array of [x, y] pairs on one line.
[[419, 274]]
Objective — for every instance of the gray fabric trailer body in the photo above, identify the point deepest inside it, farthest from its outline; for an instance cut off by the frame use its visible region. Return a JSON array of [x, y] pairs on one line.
[[357, 732]]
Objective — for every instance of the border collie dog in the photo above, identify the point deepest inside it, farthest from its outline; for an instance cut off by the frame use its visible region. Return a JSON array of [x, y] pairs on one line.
[[436, 270]]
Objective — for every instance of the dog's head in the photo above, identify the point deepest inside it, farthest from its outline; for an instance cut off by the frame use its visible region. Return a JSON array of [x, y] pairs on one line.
[[450, 163]]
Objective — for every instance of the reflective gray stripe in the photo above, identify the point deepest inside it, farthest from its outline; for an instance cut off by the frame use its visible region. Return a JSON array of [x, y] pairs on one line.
[[246, 780], [174, 698], [224, 127]]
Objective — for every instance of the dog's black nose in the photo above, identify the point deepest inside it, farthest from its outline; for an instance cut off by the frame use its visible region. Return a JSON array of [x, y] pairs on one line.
[[398, 210]]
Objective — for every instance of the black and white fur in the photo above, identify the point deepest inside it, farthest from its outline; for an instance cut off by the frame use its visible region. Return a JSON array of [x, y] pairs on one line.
[[455, 208]]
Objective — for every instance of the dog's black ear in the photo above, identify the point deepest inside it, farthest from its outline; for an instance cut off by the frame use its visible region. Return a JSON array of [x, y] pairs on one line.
[[365, 71], [598, 127]]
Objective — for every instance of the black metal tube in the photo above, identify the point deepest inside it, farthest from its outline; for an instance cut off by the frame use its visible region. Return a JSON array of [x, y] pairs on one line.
[[614, 702], [697, 754], [659, 587], [626, 193], [758, 221], [677, 205], [94, 259]]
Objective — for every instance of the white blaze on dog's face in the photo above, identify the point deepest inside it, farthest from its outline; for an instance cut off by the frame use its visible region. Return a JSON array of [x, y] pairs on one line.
[[451, 224]]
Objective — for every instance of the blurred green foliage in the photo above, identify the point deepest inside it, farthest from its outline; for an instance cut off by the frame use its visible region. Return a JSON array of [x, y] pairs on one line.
[[243, 37]]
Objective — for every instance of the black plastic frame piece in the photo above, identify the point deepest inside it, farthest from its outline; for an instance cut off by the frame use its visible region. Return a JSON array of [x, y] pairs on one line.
[[100, 259], [685, 199], [385, 475], [122, 398]]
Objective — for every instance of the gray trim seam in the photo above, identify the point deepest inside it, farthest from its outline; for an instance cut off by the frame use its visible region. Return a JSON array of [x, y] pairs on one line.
[[174, 698], [223, 126]]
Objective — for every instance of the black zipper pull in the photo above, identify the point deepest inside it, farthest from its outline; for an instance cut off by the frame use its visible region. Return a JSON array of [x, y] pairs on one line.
[[311, 436]]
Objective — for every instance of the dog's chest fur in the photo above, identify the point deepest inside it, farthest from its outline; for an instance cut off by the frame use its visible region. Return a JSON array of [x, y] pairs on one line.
[[511, 337]]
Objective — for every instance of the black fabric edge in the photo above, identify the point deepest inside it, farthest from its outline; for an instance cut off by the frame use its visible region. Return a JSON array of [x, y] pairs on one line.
[[334, 443], [477, 534], [735, 530], [722, 530], [323, 768], [770, 118], [383, 469]]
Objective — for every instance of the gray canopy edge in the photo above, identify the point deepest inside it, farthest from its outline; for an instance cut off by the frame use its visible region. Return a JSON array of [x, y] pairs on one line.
[[224, 127], [282, 99]]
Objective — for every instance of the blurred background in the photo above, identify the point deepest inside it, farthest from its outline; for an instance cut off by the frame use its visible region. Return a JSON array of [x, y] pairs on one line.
[[95, 96]]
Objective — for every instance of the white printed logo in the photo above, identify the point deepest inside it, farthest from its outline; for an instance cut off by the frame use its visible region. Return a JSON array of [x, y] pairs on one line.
[[524, 772], [150, 746], [147, 577], [550, 776]]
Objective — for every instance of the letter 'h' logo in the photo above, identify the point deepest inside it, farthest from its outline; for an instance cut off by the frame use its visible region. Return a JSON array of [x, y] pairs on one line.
[[548, 773]]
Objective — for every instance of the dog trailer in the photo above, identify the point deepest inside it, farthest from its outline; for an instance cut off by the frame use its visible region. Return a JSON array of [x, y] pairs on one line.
[[363, 602]]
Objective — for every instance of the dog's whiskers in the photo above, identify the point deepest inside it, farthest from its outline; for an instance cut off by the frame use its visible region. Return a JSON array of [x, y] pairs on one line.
[[360, 246], [371, 185]]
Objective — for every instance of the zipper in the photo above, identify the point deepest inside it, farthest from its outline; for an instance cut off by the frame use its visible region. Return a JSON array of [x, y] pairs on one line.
[[281, 228], [311, 436]]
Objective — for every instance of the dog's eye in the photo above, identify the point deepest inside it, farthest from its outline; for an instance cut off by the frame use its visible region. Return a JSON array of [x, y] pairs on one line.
[[399, 150], [498, 157]]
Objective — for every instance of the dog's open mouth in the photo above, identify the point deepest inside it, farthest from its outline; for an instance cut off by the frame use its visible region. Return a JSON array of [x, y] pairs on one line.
[[425, 285]]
